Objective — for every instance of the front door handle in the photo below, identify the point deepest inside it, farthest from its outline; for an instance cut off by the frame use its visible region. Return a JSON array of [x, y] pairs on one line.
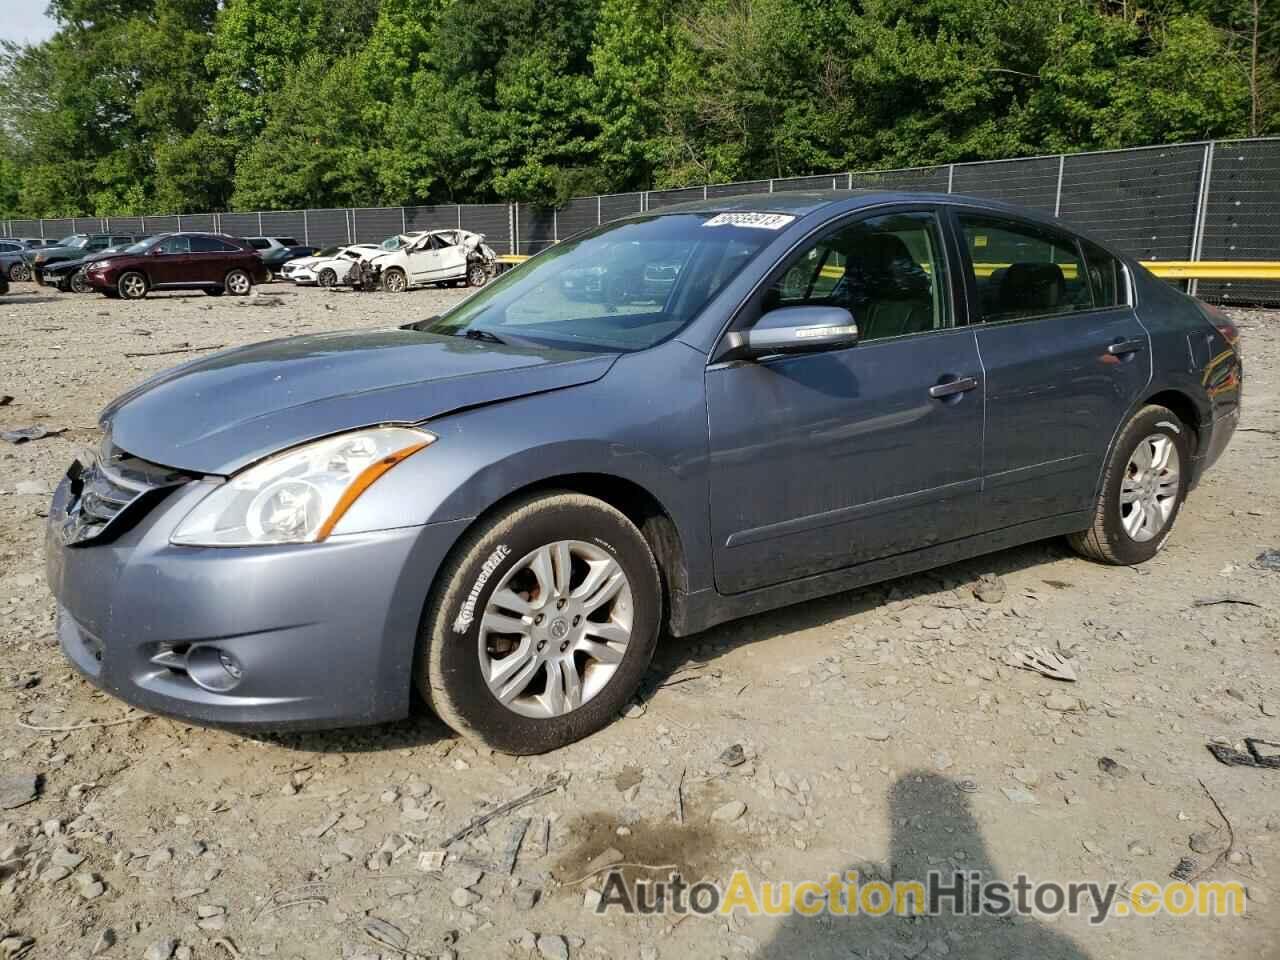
[[950, 388], [1122, 347]]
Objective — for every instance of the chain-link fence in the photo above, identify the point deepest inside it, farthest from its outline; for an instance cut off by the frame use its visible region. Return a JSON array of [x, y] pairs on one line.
[[1217, 200]]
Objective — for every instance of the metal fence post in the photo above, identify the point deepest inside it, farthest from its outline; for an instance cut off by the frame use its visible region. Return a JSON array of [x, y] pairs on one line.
[[771, 186], [179, 223], [306, 229], [1202, 206], [351, 225], [404, 224], [555, 226], [850, 175], [951, 177], [515, 228], [259, 223], [598, 209], [1062, 166]]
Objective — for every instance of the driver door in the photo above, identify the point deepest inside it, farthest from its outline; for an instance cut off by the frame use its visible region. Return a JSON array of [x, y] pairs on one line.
[[424, 259], [822, 461], [171, 262]]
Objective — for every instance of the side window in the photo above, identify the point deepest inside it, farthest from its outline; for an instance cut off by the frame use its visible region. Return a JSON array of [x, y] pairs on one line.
[[1023, 271], [98, 243], [211, 245], [1106, 276], [175, 245], [889, 272]]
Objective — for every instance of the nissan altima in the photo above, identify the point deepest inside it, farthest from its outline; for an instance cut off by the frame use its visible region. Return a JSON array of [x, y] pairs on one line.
[[504, 507]]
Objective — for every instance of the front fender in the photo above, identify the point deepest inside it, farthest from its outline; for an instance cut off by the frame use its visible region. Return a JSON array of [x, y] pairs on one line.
[[644, 422]]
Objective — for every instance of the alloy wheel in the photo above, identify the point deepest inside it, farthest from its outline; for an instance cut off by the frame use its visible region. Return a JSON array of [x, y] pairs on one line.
[[556, 628], [77, 282], [238, 283], [395, 282], [1149, 490], [133, 286], [476, 275], [327, 277]]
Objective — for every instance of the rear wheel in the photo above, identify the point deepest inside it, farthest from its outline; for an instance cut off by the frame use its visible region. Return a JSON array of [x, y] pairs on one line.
[[541, 625], [1143, 488], [327, 277], [77, 283], [477, 276], [132, 286], [237, 283], [394, 281], [19, 273]]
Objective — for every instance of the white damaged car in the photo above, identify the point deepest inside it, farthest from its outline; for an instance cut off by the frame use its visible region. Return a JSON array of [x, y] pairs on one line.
[[330, 266], [435, 256]]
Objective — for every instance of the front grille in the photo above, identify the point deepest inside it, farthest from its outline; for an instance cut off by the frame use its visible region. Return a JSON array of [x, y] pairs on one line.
[[113, 491]]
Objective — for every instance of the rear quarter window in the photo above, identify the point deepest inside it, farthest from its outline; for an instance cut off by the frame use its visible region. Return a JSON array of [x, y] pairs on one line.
[[1021, 270]]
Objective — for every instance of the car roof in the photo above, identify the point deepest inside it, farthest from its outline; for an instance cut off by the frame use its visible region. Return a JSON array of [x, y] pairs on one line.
[[801, 203]]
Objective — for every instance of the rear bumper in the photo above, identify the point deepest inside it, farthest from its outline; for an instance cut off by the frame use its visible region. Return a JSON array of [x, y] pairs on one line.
[[322, 635]]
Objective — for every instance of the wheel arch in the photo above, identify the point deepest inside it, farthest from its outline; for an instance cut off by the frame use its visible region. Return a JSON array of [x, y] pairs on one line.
[[634, 501]]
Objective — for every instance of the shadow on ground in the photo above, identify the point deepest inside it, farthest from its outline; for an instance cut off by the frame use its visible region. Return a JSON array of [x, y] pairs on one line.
[[931, 821]]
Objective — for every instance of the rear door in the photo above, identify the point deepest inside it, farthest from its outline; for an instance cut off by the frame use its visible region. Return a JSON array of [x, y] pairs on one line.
[[1065, 359], [826, 460]]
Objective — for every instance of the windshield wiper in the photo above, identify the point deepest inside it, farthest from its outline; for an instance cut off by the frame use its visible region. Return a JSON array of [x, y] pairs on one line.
[[474, 333]]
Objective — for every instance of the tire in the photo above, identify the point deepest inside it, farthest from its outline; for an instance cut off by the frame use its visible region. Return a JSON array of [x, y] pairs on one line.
[[77, 283], [132, 285], [395, 281], [495, 556], [476, 274], [238, 283], [328, 277], [1156, 493], [19, 273]]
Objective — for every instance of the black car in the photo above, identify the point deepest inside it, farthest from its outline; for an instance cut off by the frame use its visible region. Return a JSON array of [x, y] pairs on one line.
[[68, 275], [275, 252]]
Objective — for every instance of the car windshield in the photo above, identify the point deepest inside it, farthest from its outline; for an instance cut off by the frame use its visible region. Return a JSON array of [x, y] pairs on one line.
[[140, 246], [626, 286], [328, 252], [75, 240]]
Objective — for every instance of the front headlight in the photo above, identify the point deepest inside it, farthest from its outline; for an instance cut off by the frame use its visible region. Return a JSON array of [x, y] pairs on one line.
[[100, 265], [300, 495]]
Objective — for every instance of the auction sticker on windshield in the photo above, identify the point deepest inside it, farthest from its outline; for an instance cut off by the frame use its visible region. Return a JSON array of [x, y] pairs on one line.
[[758, 221]]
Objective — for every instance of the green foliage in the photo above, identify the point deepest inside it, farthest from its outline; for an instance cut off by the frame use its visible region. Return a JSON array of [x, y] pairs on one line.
[[188, 105]]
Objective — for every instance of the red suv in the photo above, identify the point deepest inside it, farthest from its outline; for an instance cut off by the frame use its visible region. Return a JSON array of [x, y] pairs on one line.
[[179, 261]]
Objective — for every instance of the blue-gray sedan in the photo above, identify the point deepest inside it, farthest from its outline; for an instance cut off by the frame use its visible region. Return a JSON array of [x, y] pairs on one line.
[[672, 420]]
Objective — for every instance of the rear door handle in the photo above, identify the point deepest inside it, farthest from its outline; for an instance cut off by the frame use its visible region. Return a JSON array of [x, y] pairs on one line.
[[1121, 347], [952, 387]]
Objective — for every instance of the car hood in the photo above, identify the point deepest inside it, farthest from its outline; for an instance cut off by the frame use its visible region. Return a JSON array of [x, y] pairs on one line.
[[220, 413]]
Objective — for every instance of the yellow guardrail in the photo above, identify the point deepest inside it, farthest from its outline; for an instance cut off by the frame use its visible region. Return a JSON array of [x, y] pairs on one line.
[[1214, 269], [1168, 269]]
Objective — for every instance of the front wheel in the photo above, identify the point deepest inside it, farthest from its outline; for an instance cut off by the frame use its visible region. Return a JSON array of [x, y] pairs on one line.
[[237, 283], [327, 277], [541, 625], [1143, 488], [394, 281], [19, 273], [477, 276], [132, 286], [77, 283]]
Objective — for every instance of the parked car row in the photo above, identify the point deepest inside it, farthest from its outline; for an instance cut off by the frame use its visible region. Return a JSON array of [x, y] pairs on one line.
[[130, 266]]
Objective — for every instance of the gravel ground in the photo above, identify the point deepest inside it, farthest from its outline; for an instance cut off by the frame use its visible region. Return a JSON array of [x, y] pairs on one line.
[[881, 730]]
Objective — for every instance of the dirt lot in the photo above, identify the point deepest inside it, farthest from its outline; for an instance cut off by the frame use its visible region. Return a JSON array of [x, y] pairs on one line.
[[882, 730]]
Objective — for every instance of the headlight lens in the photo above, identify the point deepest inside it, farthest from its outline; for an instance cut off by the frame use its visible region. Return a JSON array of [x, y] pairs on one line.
[[300, 495], [100, 265]]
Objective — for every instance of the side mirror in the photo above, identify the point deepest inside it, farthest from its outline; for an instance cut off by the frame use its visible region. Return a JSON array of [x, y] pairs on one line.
[[793, 330]]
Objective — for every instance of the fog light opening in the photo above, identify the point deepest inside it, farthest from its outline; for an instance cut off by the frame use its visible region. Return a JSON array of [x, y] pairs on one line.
[[214, 669]]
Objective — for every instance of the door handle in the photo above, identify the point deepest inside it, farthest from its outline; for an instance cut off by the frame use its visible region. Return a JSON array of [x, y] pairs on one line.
[[1122, 347], [952, 387]]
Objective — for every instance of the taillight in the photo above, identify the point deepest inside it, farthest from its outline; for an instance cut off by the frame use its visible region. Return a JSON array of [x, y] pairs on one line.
[[1222, 323]]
